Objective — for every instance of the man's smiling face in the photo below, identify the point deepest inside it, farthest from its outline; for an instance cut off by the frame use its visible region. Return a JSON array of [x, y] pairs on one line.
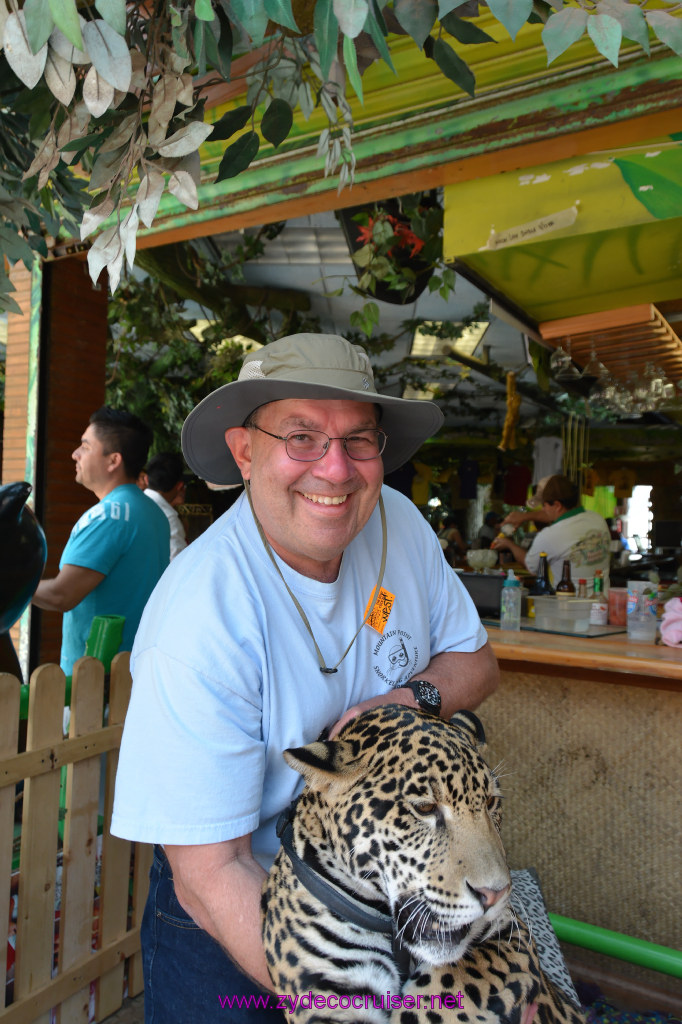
[[310, 511]]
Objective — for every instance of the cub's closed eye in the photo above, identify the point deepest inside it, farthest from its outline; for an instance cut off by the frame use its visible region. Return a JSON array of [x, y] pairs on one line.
[[426, 807], [492, 800]]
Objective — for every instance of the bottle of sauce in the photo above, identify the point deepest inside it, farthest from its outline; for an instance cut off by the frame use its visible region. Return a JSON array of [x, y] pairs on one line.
[[599, 609], [582, 588], [566, 586], [542, 587]]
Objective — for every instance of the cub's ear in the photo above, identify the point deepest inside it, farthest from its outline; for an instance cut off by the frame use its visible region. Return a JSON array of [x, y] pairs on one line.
[[329, 764], [470, 723]]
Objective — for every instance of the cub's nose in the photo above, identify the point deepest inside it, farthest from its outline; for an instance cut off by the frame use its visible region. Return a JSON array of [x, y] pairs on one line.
[[489, 897]]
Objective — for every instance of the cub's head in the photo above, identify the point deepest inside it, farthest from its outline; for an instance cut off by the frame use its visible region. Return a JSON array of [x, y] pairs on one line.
[[402, 810]]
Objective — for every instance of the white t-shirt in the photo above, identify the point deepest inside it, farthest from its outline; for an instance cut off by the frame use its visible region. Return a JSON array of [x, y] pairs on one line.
[[178, 541], [226, 676], [583, 538]]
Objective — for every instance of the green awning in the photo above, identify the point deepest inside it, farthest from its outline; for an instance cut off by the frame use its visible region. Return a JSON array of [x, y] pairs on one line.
[[578, 236]]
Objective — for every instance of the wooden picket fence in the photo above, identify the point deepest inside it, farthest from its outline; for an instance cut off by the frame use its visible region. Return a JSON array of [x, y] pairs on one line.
[[89, 940]]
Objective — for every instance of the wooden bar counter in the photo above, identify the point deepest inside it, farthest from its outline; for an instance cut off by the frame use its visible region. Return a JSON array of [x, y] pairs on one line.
[[610, 658], [588, 732]]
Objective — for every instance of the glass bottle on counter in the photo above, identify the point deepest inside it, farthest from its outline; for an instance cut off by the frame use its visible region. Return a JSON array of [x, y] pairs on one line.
[[582, 588], [510, 603], [599, 609], [566, 586], [542, 586]]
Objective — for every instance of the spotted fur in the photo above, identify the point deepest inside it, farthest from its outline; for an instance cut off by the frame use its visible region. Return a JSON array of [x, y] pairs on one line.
[[401, 812]]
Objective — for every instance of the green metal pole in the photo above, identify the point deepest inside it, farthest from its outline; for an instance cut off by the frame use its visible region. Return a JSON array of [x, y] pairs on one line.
[[623, 947]]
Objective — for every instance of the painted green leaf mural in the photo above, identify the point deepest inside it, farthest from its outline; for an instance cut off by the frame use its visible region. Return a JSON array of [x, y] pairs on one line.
[[656, 181]]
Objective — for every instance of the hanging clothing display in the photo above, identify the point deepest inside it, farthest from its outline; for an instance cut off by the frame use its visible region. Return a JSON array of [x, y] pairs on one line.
[[517, 480], [548, 457], [590, 481], [602, 501], [468, 478], [623, 480]]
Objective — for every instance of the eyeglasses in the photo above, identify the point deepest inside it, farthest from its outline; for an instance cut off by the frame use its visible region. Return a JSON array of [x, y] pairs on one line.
[[311, 445]]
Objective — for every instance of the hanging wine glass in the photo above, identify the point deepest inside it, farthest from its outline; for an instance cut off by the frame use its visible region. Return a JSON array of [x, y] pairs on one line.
[[622, 399], [654, 382], [559, 360], [594, 368], [602, 394], [568, 371], [605, 391], [641, 397]]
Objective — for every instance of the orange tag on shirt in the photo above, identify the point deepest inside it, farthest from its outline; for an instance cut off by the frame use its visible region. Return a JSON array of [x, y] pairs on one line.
[[381, 610]]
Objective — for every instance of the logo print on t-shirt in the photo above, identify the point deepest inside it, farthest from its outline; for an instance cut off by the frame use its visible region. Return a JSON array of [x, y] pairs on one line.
[[395, 657], [398, 655]]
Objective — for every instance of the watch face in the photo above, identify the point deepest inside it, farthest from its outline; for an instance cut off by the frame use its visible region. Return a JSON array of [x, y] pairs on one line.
[[427, 696]]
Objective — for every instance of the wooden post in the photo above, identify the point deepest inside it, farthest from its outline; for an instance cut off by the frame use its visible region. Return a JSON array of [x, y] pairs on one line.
[[113, 915], [9, 736], [37, 878], [80, 834]]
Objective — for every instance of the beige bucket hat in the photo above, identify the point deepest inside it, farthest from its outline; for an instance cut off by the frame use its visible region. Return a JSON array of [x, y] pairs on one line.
[[318, 366]]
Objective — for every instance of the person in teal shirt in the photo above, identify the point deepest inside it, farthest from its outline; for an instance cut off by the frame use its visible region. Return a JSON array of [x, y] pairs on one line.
[[119, 548]]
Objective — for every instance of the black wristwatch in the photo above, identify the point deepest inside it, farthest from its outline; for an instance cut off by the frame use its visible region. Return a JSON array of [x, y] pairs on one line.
[[426, 694]]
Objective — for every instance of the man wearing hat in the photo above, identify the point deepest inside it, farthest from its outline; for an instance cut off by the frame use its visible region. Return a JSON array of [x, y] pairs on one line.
[[570, 532], [317, 595]]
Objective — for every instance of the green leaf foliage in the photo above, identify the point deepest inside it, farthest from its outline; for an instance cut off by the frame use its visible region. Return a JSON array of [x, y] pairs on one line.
[[365, 319], [352, 15], [217, 41], [25, 212], [417, 17], [452, 65], [277, 122], [667, 29], [65, 17], [512, 13], [225, 45], [326, 29], [203, 9], [231, 122], [114, 13], [39, 22], [446, 6], [350, 58], [464, 31], [281, 13], [238, 156], [562, 30], [376, 30], [631, 19], [606, 33], [252, 16], [200, 51]]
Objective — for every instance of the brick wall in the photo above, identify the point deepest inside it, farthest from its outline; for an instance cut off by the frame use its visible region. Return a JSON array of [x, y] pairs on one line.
[[16, 390]]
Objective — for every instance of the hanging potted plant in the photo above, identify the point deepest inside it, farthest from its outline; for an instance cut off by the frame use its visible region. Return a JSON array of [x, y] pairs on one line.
[[395, 245]]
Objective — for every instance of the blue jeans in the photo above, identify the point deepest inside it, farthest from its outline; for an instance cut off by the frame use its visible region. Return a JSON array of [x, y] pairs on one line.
[[188, 979]]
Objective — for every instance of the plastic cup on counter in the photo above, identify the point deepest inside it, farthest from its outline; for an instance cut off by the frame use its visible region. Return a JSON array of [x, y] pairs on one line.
[[618, 606], [642, 604]]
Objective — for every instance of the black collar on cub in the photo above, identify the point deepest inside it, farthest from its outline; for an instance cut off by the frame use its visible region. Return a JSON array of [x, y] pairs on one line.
[[339, 902]]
